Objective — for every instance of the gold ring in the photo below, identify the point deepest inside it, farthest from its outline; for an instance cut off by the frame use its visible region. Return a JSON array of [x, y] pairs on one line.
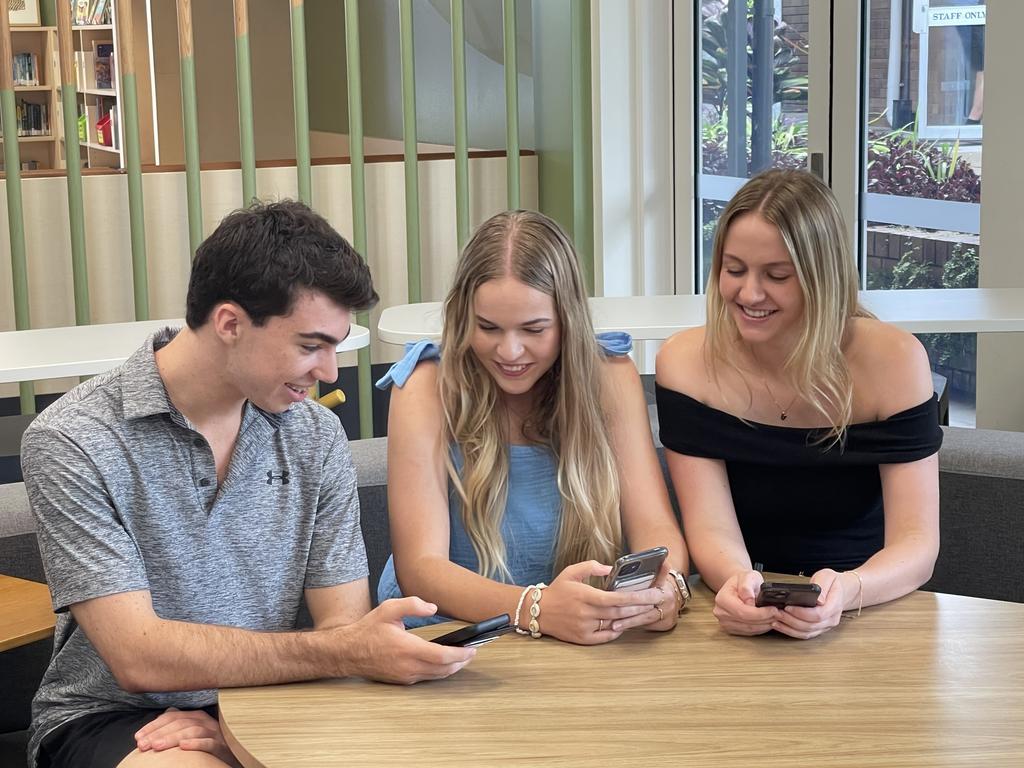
[[661, 613], [600, 625]]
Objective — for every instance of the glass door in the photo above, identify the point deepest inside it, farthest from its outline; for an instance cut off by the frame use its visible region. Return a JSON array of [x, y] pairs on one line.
[[922, 164], [752, 101]]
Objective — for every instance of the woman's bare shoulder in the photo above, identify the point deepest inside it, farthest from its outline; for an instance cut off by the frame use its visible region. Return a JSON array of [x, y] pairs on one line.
[[680, 364], [889, 366], [419, 391]]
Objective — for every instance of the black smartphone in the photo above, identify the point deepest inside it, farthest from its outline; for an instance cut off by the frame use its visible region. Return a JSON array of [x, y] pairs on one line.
[[782, 593], [477, 634], [636, 571]]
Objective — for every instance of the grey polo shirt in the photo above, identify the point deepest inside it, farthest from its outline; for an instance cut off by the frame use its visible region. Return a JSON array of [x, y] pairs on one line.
[[125, 493]]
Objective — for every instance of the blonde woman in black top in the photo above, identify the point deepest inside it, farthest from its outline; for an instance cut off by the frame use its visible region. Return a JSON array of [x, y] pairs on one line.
[[801, 431]]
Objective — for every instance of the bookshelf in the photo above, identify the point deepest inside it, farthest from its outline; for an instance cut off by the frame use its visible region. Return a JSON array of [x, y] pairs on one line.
[[36, 76], [100, 136]]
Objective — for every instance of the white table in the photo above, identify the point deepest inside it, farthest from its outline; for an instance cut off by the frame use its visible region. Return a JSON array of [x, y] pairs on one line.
[[952, 310], [84, 350]]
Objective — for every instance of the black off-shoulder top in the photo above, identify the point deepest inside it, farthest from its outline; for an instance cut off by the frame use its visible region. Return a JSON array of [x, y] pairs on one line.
[[802, 504]]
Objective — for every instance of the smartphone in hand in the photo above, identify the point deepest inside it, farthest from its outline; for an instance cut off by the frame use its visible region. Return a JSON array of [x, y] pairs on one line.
[[781, 594], [477, 634], [636, 571]]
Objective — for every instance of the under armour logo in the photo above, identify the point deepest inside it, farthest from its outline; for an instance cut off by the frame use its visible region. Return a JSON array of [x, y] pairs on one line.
[[282, 477]]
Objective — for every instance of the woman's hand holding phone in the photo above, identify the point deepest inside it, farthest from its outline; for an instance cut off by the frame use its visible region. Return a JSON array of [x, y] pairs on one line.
[[669, 615], [805, 623], [576, 612], [735, 609]]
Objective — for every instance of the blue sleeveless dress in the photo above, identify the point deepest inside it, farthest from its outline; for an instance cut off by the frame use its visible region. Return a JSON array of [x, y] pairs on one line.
[[533, 511]]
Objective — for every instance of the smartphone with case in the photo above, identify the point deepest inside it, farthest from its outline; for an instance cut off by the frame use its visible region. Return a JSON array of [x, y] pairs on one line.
[[477, 634], [636, 571], [781, 594]]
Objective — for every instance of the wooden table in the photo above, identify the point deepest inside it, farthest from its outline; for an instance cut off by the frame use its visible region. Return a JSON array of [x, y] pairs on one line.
[[85, 350], [26, 614], [952, 310], [928, 680]]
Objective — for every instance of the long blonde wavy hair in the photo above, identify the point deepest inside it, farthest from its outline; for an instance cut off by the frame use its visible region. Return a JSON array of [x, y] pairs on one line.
[[808, 218], [567, 418]]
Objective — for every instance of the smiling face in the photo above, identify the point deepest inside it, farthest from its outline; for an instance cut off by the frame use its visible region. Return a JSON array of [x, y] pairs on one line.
[[275, 364], [517, 333], [758, 282]]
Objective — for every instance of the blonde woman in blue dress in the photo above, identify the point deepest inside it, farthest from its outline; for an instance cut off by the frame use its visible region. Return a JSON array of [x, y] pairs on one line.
[[520, 451]]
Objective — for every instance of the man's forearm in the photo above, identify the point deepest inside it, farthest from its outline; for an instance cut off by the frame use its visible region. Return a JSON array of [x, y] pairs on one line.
[[179, 656]]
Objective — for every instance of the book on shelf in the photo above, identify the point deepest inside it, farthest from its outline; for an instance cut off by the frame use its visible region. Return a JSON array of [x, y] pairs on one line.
[[26, 69], [90, 12], [79, 9], [101, 12], [104, 64], [32, 119]]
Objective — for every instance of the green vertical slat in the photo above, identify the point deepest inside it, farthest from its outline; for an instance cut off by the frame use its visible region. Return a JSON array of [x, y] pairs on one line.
[[72, 150], [412, 176], [16, 223], [243, 77], [355, 131], [511, 104], [136, 210], [582, 200], [76, 204], [461, 132], [301, 103], [193, 180]]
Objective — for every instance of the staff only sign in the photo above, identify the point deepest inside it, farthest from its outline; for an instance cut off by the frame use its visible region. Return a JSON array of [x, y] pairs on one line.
[[956, 16]]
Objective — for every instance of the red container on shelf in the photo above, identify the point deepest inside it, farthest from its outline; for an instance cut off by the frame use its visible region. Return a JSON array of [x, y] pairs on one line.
[[103, 134]]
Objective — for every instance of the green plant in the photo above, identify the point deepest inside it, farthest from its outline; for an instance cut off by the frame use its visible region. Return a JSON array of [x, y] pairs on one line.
[[900, 162], [961, 269], [911, 273], [959, 349], [787, 47], [789, 143]]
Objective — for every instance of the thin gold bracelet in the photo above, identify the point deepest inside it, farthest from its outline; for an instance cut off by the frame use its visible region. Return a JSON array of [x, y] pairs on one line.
[[860, 591]]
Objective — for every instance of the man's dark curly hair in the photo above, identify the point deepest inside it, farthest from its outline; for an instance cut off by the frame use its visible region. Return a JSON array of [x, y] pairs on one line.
[[263, 256]]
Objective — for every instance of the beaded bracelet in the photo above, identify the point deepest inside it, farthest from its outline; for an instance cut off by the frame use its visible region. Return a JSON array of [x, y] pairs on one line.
[[535, 596], [519, 607]]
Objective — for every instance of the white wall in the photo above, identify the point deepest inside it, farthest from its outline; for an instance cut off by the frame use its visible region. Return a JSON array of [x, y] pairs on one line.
[[48, 244], [1001, 355]]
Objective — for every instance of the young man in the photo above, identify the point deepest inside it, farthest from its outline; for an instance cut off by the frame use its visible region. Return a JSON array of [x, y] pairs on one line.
[[188, 500]]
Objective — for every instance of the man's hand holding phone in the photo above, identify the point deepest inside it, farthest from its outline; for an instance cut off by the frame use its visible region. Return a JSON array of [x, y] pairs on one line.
[[379, 648]]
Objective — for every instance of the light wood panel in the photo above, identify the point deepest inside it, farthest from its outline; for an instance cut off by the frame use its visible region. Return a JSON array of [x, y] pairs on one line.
[[25, 612], [929, 680]]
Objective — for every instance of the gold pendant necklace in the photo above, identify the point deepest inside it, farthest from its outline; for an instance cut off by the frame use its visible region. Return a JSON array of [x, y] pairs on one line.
[[783, 412]]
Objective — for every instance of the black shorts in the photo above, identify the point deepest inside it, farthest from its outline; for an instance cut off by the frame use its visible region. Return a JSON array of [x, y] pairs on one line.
[[97, 741]]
